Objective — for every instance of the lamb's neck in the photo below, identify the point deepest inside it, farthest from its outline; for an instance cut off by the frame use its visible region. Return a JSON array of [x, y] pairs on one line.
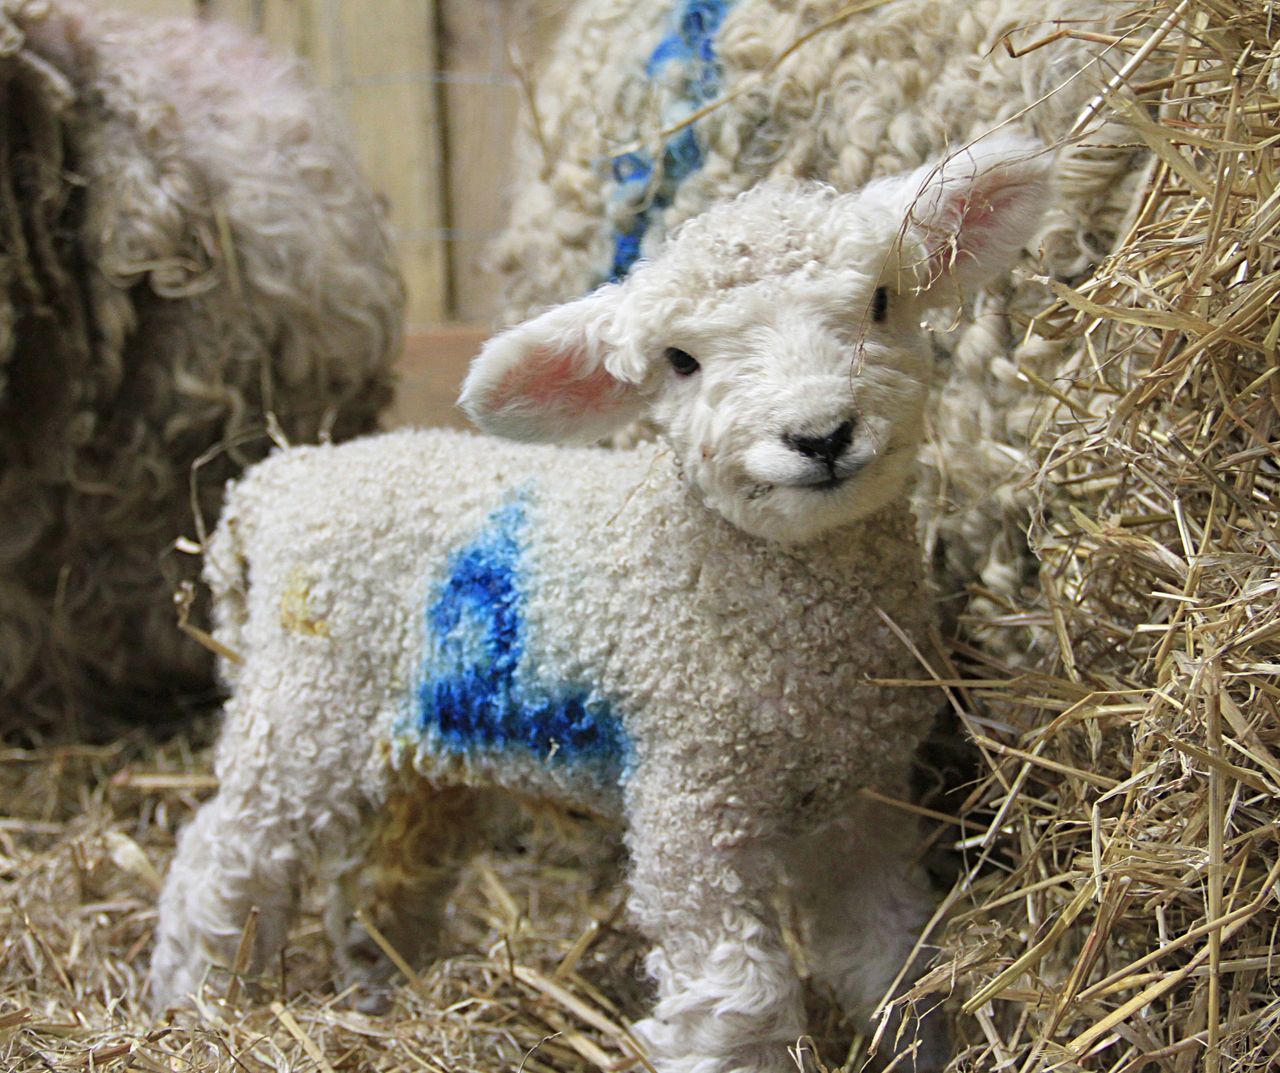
[[883, 543]]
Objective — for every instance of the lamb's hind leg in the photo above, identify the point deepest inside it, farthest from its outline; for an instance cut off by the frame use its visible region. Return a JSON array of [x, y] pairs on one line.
[[401, 883], [276, 811], [229, 862], [729, 998], [866, 901]]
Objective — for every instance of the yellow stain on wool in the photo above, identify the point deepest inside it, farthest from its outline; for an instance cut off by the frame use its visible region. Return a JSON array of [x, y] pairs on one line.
[[295, 608]]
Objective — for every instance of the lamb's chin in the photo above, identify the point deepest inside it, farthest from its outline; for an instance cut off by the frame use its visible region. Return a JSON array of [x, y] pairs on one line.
[[791, 514], [802, 513]]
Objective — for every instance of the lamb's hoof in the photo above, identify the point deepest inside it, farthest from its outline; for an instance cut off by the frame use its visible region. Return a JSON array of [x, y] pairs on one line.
[[374, 1000], [660, 1040]]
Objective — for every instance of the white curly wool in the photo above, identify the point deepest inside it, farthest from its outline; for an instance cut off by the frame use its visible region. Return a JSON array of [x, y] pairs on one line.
[[682, 637], [187, 247], [809, 89]]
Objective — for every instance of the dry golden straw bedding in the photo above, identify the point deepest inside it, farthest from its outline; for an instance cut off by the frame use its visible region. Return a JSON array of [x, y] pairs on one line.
[[1118, 903], [1123, 848]]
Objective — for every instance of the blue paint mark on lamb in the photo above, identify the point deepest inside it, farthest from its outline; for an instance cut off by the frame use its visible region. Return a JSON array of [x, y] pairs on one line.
[[477, 693]]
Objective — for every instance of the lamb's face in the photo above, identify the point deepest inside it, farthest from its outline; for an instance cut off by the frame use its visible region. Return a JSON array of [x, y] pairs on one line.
[[776, 340], [783, 359]]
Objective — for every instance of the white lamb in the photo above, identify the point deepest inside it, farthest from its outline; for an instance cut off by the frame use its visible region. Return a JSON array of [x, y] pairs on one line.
[[426, 616]]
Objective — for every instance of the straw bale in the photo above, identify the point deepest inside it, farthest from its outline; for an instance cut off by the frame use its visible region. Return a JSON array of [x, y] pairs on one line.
[[187, 256], [1121, 899]]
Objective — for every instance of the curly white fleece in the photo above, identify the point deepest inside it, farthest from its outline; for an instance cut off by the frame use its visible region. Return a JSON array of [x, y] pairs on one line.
[[859, 95], [739, 675]]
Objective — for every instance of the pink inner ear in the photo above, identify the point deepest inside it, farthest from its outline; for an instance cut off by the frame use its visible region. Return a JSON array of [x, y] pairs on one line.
[[979, 220], [559, 379], [982, 212]]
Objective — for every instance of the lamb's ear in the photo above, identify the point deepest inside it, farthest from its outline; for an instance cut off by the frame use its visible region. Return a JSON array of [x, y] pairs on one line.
[[549, 379], [975, 210]]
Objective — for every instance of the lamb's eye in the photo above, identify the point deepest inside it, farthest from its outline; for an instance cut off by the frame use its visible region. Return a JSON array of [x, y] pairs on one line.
[[682, 362], [880, 304]]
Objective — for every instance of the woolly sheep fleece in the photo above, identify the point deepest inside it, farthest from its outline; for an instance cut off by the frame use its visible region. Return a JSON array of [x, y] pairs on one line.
[[186, 247], [602, 175], [681, 637]]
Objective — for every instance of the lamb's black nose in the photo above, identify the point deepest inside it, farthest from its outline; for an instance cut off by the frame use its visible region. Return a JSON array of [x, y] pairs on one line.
[[824, 448]]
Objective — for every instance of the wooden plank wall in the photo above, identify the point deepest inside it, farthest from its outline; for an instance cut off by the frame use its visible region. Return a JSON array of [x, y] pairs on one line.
[[431, 96], [479, 103]]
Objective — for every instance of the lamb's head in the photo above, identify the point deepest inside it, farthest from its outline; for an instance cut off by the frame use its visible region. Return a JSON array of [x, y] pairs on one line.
[[775, 341]]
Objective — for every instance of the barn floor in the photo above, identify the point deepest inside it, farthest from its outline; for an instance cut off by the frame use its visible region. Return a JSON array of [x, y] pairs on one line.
[[541, 973]]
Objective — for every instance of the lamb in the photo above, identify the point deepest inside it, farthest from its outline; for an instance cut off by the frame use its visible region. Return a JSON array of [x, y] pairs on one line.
[[681, 637], [186, 247]]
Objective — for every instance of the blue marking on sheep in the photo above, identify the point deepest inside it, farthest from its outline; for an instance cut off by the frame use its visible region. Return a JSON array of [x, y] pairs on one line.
[[476, 693], [686, 56]]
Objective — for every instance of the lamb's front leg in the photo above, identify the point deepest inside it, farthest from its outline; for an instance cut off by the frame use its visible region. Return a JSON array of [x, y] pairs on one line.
[[866, 899], [728, 995]]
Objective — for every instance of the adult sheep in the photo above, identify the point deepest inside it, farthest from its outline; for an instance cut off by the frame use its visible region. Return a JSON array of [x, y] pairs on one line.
[[186, 247], [681, 637], [609, 159]]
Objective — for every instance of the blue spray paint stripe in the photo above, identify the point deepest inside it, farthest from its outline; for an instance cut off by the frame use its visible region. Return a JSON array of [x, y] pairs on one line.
[[686, 55], [476, 692]]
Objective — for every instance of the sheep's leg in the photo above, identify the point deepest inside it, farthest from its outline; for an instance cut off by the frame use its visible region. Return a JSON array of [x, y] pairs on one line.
[[728, 995], [420, 840], [866, 901], [231, 859], [282, 805]]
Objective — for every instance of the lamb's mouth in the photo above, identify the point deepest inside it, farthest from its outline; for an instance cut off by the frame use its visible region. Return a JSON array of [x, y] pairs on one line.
[[823, 484], [824, 480], [831, 477], [820, 484]]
